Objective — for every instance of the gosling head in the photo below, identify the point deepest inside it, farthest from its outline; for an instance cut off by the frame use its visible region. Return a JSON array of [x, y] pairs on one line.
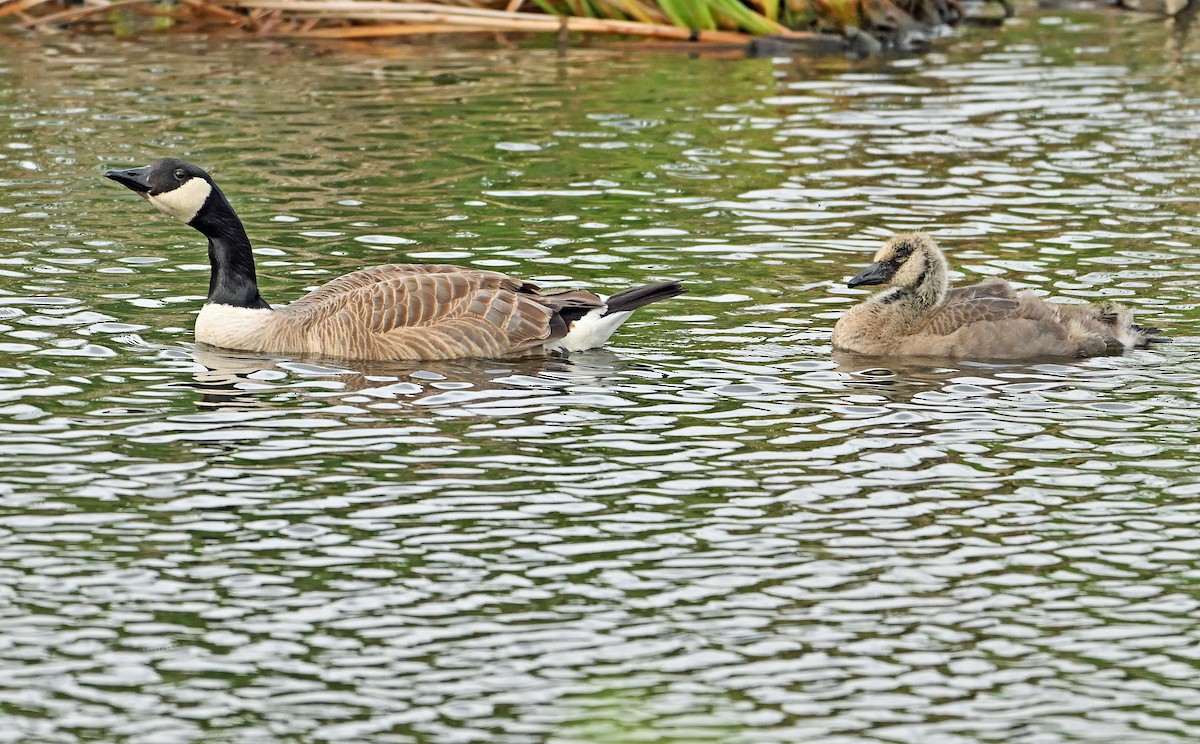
[[178, 189], [905, 261]]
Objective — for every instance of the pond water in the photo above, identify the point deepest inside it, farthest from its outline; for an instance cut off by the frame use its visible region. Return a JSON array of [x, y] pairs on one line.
[[715, 530]]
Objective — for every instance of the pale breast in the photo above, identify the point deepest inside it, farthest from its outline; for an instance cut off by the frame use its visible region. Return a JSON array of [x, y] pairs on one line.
[[863, 331], [234, 327]]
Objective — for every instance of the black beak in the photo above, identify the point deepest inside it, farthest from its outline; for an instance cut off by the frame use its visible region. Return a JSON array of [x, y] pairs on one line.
[[877, 273], [134, 179]]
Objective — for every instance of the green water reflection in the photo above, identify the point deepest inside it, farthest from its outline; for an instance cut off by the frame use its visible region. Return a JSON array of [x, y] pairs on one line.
[[716, 529]]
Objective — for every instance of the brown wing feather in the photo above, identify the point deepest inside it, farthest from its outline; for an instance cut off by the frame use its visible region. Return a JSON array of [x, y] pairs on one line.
[[417, 311], [991, 301], [571, 303], [990, 287], [967, 311], [993, 320]]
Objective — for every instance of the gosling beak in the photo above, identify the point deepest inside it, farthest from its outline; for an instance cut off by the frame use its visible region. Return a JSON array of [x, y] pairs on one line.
[[134, 179], [876, 273]]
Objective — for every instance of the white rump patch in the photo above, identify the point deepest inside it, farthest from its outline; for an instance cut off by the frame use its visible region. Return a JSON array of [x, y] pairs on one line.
[[591, 331], [184, 202], [232, 327]]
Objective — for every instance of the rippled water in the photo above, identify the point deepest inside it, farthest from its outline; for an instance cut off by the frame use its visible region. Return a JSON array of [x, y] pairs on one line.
[[716, 530]]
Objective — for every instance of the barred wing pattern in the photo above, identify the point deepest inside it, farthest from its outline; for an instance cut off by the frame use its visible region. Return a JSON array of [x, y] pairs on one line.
[[994, 320], [421, 312], [961, 312]]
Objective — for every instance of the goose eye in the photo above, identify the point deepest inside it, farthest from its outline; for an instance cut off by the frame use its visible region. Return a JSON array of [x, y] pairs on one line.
[[180, 174]]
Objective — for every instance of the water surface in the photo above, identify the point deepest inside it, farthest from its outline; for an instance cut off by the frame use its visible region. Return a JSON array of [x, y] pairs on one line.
[[716, 529]]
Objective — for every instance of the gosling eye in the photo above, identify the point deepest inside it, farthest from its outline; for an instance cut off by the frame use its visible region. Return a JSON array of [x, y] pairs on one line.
[[180, 174]]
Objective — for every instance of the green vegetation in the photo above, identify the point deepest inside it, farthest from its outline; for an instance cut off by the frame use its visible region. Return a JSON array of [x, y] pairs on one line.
[[712, 21]]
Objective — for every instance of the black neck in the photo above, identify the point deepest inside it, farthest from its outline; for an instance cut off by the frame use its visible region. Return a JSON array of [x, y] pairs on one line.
[[233, 281]]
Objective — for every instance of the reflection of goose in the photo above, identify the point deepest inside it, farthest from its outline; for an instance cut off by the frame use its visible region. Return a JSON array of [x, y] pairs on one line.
[[920, 315], [393, 312], [236, 380]]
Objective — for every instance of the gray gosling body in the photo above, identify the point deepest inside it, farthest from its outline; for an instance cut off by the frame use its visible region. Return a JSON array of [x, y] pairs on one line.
[[397, 312], [921, 316]]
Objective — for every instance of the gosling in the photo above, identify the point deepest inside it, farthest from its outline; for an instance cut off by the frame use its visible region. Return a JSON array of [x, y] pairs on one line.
[[397, 312], [921, 316]]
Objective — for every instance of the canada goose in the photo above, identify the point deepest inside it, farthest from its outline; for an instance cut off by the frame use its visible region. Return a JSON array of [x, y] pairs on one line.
[[920, 315], [396, 312]]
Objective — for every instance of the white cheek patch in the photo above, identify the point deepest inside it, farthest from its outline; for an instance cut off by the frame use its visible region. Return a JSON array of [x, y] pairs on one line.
[[184, 202]]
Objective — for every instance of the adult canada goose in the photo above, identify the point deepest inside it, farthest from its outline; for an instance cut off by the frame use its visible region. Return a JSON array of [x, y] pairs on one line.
[[394, 312], [920, 315]]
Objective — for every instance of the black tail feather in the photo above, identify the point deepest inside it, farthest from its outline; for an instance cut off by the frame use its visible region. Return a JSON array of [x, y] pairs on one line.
[[1150, 335], [632, 299]]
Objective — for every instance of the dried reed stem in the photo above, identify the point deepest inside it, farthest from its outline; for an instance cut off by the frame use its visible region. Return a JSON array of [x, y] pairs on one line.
[[416, 12], [386, 18], [18, 6]]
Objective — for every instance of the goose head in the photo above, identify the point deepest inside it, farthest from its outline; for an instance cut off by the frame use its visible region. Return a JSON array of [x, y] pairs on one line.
[[182, 191], [911, 260], [185, 192]]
